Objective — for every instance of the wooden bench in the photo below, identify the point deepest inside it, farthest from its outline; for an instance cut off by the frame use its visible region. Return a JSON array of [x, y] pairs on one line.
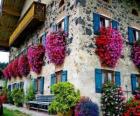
[[41, 102]]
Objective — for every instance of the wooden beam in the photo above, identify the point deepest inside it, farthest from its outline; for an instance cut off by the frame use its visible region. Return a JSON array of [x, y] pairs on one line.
[[11, 11]]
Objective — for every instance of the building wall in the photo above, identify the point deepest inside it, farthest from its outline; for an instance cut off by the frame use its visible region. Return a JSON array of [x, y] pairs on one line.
[[81, 59]]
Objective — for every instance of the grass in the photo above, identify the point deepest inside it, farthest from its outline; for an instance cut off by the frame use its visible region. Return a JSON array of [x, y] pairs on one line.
[[8, 112]]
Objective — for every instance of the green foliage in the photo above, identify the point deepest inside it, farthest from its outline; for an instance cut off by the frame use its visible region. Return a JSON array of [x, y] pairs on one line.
[[65, 97], [30, 94], [18, 97], [10, 97], [112, 100]]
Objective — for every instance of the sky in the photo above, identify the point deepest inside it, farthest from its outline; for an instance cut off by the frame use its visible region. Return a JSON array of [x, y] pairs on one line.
[[4, 57]]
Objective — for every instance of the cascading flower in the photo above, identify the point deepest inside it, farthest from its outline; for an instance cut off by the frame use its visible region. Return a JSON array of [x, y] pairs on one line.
[[35, 57], [10, 71], [6, 73], [135, 54], [23, 65], [109, 46], [56, 47], [15, 68]]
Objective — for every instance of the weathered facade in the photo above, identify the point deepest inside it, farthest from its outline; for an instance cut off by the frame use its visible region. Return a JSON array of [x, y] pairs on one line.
[[81, 61]]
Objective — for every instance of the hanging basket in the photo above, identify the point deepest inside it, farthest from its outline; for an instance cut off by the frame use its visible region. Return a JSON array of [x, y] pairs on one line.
[[35, 57], [135, 54], [23, 65], [56, 47]]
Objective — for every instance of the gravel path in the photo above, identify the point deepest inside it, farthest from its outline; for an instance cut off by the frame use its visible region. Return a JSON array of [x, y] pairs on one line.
[[26, 111]]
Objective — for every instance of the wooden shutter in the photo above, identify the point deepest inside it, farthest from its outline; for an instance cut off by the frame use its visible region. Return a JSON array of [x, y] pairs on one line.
[[64, 76], [130, 35], [98, 80], [115, 24], [53, 81], [96, 23], [133, 82], [41, 85], [118, 79], [66, 24]]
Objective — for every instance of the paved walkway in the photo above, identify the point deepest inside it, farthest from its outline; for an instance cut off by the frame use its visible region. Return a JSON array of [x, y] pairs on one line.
[[25, 110]]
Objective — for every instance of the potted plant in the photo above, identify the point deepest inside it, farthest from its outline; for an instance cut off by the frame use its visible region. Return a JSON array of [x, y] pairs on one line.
[[65, 99], [85, 107]]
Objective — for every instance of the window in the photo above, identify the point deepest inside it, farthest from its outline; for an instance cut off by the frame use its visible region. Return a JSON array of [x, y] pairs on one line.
[[42, 39], [60, 25], [135, 12], [108, 75], [60, 76], [133, 35], [102, 76], [105, 22], [102, 21]]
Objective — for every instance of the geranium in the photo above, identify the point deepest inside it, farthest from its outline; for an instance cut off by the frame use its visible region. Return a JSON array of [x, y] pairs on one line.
[[35, 57], [23, 65], [109, 46], [15, 68], [135, 54], [56, 47], [10, 71]]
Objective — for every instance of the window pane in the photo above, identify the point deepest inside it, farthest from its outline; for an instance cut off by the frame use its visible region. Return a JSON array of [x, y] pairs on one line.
[[137, 35], [107, 23], [110, 77]]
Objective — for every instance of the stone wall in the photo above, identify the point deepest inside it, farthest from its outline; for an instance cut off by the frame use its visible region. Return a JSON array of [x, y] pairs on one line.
[[81, 59]]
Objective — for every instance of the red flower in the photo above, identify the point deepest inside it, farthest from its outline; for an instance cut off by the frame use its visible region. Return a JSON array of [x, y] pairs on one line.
[[109, 46]]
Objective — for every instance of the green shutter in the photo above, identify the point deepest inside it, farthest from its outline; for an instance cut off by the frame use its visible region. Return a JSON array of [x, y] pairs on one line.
[[64, 76], [118, 79], [53, 81], [133, 82], [115, 24], [41, 85], [34, 85], [96, 23], [98, 80], [130, 35]]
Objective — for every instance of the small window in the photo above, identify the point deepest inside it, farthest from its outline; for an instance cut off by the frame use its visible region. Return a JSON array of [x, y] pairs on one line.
[[58, 76], [61, 3], [38, 85], [135, 12], [108, 75], [60, 25]]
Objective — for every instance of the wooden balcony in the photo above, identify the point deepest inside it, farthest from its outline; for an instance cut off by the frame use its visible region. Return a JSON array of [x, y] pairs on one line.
[[34, 17]]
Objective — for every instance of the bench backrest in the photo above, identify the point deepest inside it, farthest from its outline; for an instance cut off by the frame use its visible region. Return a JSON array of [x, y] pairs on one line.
[[44, 98]]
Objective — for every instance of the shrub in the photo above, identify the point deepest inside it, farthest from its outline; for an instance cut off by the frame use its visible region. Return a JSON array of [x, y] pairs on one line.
[[112, 100], [30, 95], [65, 97], [10, 97], [18, 97], [86, 107]]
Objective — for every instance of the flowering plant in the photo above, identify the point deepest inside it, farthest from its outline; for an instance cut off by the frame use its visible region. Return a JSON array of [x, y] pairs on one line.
[[135, 54], [15, 68], [6, 73], [86, 107], [109, 46], [35, 57], [10, 71], [23, 65], [56, 47]]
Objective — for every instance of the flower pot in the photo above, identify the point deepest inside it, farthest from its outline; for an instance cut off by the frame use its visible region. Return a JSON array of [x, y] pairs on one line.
[[69, 113]]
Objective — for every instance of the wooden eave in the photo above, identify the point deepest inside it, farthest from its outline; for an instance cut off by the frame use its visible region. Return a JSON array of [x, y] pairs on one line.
[[34, 17]]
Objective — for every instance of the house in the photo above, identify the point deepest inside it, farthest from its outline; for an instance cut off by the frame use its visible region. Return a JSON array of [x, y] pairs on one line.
[[82, 19]]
